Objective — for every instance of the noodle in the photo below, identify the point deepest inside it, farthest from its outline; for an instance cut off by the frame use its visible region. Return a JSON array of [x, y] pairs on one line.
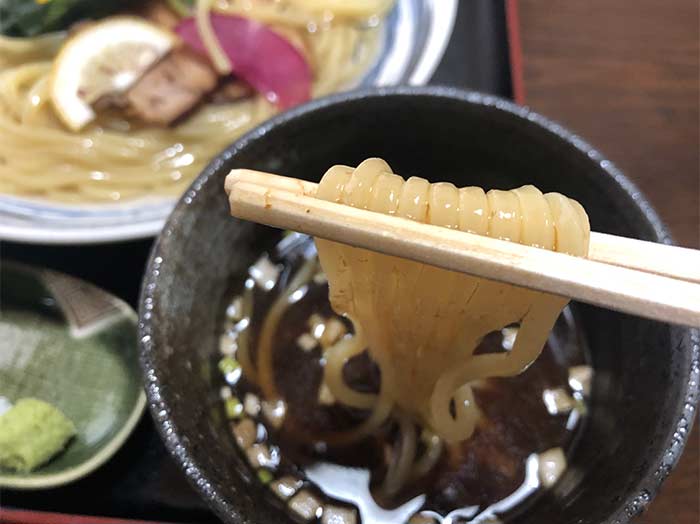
[[221, 62], [264, 376], [336, 357], [269, 329], [345, 8], [422, 324], [243, 352], [424, 327], [116, 157], [404, 456], [431, 455]]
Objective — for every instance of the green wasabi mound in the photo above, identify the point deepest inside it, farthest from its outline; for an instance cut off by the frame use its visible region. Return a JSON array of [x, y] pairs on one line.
[[31, 433]]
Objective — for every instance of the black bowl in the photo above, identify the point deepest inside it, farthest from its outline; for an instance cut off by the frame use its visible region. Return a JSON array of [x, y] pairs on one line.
[[646, 383]]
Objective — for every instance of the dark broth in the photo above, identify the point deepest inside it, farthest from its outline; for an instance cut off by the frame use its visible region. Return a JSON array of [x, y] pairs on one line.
[[469, 477]]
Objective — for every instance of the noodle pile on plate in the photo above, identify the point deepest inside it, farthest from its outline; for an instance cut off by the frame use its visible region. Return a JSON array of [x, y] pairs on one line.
[[118, 157]]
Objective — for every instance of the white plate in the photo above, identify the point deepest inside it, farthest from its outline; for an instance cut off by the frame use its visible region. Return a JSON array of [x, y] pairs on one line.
[[416, 35]]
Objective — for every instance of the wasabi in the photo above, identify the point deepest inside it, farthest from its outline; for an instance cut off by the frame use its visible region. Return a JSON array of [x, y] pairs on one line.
[[31, 433]]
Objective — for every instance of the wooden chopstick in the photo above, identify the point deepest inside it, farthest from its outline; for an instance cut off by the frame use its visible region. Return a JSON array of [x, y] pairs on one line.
[[650, 257], [653, 288], [661, 259]]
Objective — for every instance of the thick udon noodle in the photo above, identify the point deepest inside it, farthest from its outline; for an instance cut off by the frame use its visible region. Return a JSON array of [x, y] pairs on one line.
[[117, 157], [422, 324]]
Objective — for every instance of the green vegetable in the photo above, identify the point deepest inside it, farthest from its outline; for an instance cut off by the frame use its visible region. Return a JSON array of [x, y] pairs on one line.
[[265, 476], [228, 365], [233, 408], [35, 17], [31, 433]]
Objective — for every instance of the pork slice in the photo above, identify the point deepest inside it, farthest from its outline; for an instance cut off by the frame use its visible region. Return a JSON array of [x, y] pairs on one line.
[[172, 87], [231, 90]]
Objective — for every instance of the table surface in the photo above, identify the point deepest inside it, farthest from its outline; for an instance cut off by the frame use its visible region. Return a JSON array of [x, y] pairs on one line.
[[625, 76]]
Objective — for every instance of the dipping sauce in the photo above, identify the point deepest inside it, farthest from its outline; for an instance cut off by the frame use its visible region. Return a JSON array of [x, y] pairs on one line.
[[528, 425]]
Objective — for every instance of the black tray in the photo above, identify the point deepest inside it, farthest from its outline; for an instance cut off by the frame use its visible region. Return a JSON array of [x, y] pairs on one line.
[[141, 481]]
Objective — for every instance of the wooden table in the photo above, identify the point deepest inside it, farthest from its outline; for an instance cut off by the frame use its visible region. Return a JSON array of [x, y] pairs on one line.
[[625, 76]]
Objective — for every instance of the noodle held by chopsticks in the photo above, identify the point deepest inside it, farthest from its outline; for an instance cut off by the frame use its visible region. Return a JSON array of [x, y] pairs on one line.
[[422, 324]]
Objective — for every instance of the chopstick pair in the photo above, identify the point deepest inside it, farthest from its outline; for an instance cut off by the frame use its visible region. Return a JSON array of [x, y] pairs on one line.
[[643, 278]]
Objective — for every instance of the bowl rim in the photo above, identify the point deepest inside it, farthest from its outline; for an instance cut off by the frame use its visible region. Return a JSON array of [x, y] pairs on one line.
[[660, 467]]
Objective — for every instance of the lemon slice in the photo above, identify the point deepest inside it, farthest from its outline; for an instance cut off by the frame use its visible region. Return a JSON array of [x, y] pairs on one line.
[[104, 58]]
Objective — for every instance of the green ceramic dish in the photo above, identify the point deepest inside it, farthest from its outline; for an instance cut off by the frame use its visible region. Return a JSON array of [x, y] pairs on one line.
[[73, 345]]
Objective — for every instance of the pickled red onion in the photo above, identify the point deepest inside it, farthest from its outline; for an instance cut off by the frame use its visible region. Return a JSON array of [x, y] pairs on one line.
[[259, 56]]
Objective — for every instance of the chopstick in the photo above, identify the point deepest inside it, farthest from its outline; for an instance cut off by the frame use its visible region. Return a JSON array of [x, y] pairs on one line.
[[650, 257], [642, 278]]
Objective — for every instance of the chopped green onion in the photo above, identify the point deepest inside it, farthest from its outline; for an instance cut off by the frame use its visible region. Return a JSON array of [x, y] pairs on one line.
[[233, 407], [580, 404], [265, 476], [228, 365]]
